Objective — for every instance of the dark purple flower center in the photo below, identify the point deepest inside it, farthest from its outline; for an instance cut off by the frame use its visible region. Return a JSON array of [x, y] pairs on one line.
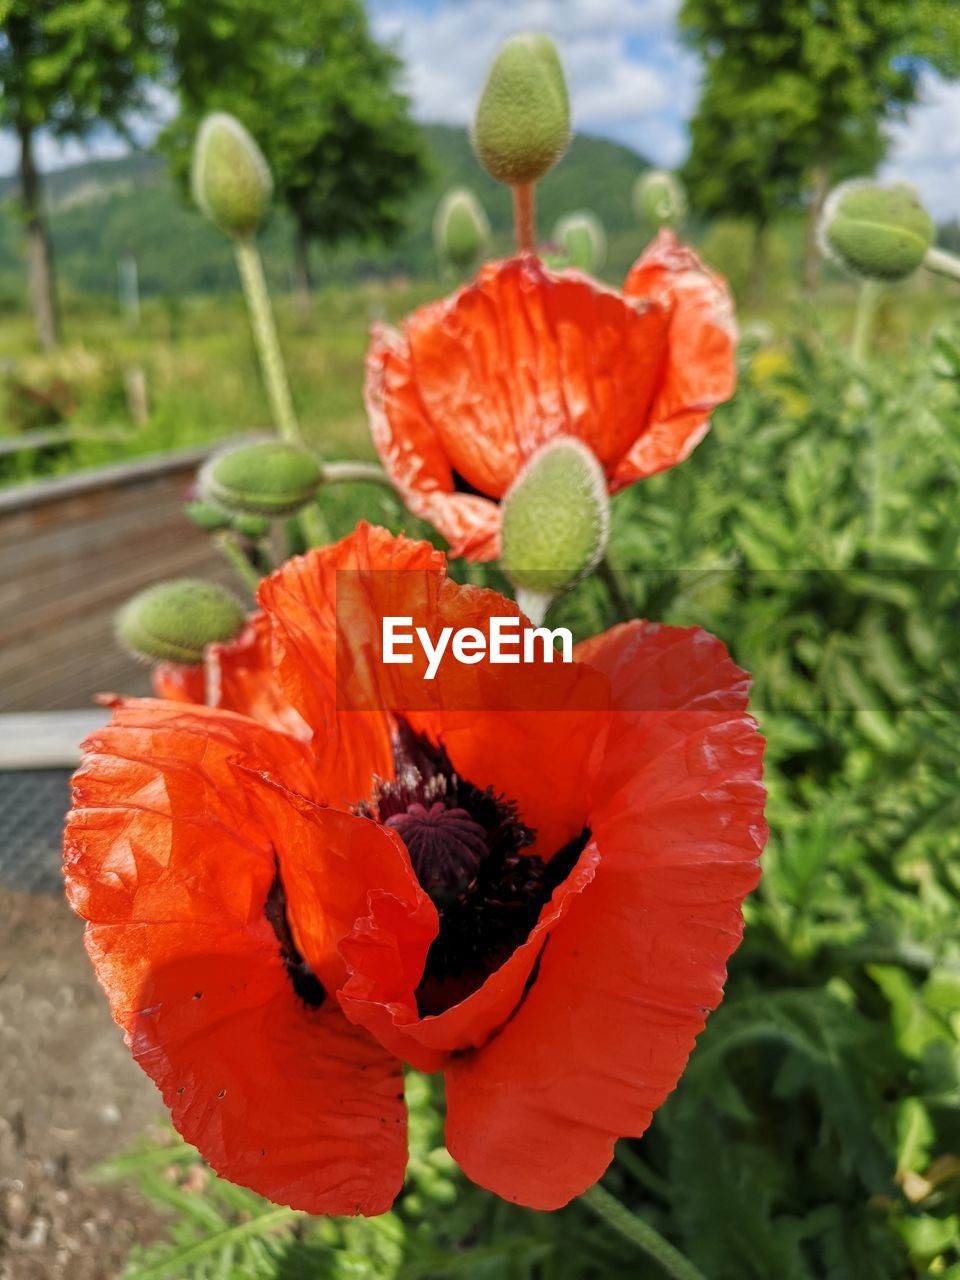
[[446, 845], [466, 846]]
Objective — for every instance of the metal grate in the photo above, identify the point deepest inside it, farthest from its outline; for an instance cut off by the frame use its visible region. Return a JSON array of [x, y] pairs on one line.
[[33, 805]]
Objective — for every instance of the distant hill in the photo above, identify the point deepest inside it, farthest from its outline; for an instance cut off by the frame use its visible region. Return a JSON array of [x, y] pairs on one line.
[[105, 209]]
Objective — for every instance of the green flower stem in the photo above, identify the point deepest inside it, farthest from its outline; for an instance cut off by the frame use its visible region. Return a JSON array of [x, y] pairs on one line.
[[637, 1231], [943, 263], [867, 302], [356, 473], [238, 561], [314, 526], [265, 336], [524, 216], [621, 601]]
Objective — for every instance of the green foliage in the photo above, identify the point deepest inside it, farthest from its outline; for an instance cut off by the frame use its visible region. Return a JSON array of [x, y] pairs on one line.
[[792, 87], [320, 96], [816, 1132], [102, 206], [73, 64], [729, 247]]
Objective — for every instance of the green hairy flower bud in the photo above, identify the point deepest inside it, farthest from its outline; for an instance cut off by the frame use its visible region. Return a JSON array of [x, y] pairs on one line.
[[555, 518], [881, 233], [207, 516], [175, 621], [461, 229], [255, 527], [268, 478], [522, 125], [231, 178], [583, 240], [659, 199]]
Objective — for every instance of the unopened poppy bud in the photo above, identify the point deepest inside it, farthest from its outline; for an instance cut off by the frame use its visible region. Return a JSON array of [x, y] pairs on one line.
[[252, 526], [461, 229], [879, 232], [555, 518], [522, 125], [175, 621], [207, 516], [268, 478], [583, 239], [659, 199], [231, 179]]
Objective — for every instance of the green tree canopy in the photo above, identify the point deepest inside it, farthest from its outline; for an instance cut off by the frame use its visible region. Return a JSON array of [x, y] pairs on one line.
[[796, 94], [68, 65], [321, 97]]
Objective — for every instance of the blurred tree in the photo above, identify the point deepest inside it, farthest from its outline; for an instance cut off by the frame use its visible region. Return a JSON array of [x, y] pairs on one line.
[[67, 66], [795, 96], [320, 95]]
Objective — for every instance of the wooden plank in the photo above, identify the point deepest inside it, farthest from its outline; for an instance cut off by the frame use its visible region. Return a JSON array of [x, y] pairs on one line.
[[46, 740], [71, 552]]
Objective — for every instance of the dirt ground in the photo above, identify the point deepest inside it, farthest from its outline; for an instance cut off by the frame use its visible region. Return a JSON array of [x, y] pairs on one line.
[[69, 1096]]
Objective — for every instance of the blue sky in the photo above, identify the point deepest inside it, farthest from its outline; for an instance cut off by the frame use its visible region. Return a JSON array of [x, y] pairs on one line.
[[630, 80]]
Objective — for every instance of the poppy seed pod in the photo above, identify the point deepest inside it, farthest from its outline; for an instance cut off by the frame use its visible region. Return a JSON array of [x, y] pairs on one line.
[[583, 239], [461, 229], [659, 199], [175, 621], [522, 125], [556, 518], [880, 233], [231, 179], [268, 478]]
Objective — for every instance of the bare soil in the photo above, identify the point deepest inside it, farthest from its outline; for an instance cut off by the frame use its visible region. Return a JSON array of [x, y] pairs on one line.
[[70, 1095]]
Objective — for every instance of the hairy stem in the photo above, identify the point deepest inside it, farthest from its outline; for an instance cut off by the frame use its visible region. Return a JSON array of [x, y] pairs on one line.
[[355, 473], [265, 336], [672, 1263], [524, 217], [867, 303], [943, 263], [237, 561]]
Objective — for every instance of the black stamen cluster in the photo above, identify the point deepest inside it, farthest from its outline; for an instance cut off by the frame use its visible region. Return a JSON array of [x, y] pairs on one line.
[[466, 847], [305, 982]]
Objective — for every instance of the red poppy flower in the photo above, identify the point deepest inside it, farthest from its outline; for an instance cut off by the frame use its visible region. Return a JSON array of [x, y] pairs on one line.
[[476, 383], [537, 899]]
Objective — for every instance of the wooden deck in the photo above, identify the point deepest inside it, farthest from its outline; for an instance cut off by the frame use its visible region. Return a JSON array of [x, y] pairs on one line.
[[72, 551]]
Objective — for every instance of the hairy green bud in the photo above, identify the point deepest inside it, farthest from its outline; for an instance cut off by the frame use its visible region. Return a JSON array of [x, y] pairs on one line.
[[878, 232], [522, 125], [583, 240], [659, 199], [175, 621], [555, 518], [231, 179], [461, 229], [207, 516], [268, 478], [255, 527]]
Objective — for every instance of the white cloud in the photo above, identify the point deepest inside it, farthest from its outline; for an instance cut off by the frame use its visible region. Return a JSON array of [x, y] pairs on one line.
[[630, 79], [926, 148], [614, 90]]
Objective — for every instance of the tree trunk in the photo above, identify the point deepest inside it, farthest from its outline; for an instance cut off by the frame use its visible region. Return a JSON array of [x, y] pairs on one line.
[[811, 252], [40, 277], [302, 277], [757, 283]]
